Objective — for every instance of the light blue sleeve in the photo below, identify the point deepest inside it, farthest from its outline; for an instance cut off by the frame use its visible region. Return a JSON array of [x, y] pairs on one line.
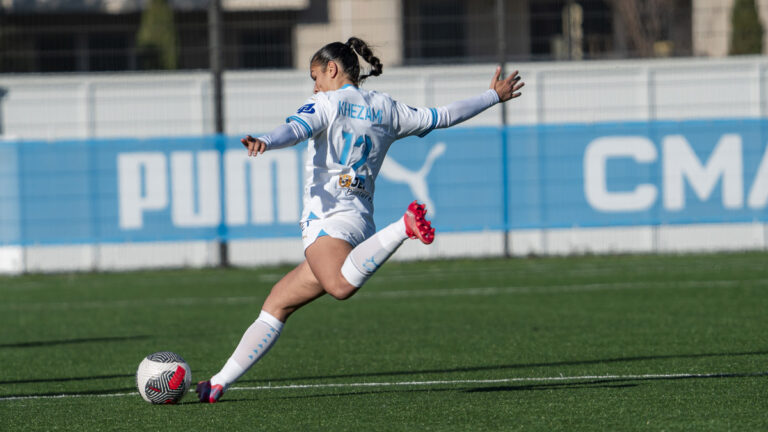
[[285, 135], [421, 121], [465, 109], [309, 120], [413, 121]]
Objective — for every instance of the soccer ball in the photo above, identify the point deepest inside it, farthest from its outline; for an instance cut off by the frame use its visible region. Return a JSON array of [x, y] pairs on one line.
[[163, 378]]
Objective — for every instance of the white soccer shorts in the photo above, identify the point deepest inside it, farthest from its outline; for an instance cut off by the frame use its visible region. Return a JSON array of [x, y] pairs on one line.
[[353, 230]]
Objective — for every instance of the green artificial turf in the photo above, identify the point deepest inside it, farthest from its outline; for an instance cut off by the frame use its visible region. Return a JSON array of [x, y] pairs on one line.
[[580, 343]]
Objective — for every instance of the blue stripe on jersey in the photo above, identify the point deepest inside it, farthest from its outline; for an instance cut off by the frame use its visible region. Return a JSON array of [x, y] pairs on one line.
[[431, 126], [300, 121]]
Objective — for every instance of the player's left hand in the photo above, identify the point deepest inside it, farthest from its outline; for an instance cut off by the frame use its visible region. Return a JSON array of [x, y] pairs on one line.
[[507, 88], [255, 146]]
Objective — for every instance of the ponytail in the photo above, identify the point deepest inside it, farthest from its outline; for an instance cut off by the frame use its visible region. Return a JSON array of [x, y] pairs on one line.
[[362, 50], [348, 56]]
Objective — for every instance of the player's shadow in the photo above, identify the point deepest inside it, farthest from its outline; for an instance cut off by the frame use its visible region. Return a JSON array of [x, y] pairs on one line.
[[72, 341], [560, 386], [510, 366], [69, 342], [619, 382]]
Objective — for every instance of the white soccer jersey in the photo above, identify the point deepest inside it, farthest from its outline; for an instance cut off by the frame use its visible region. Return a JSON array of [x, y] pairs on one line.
[[351, 131]]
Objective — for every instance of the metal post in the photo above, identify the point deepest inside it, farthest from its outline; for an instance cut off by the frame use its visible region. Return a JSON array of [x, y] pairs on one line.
[[501, 45], [3, 92], [650, 89], [567, 30], [215, 57]]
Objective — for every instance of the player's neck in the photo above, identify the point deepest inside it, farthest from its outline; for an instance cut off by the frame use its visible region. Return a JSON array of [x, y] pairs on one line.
[[341, 83]]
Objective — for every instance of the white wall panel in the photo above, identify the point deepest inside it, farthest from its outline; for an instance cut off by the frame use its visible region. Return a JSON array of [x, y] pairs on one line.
[[40, 109], [598, 240], [44, 259], [155, 106], [132, 256], [706, 91], [455, 245], [258, 102], [452, 86], [11, 260], [714, 237], [582, 241], [118, 257], [594, 95], [256, 252], [526, 242]]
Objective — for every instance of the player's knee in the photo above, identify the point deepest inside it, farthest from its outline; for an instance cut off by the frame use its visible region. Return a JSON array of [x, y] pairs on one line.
[[341, 290]]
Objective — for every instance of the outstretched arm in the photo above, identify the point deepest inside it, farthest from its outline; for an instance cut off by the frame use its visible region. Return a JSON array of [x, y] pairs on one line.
[[499, 91], [285, 135], [309, 119], [421, 121]]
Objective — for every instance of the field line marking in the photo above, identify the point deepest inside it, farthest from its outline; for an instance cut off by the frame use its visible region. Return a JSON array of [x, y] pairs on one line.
[[500, 380], [425, 383], [372, 294], [65, 396], [546, 289]]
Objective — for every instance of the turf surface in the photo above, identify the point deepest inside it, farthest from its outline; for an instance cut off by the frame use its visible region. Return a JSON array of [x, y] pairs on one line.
[[586, 343]]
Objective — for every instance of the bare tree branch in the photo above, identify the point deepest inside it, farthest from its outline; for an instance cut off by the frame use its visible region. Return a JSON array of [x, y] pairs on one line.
[[645, 21]]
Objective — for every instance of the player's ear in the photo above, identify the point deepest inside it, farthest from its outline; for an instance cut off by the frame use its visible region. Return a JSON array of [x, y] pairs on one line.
[[333, 69]]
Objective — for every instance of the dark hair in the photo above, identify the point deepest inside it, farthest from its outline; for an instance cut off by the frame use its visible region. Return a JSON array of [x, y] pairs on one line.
[[345, 54]]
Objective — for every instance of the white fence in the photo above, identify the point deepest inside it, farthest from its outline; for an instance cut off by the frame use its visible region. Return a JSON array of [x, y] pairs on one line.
[[179, 104]]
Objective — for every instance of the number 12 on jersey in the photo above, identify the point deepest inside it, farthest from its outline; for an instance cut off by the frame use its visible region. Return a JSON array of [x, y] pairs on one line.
[[361, 141]]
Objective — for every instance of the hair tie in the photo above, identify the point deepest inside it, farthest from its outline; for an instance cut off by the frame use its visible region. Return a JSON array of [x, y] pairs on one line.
[[364, 66]]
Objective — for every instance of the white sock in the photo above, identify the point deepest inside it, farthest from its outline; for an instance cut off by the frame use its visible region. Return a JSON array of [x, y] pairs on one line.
[[369, 255], [256, 341]]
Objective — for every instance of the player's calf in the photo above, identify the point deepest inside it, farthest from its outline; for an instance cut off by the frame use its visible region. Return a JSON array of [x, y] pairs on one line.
[[371, 254]]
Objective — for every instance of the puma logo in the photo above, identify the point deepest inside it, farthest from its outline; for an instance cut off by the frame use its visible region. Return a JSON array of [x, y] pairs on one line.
[[416, 180]]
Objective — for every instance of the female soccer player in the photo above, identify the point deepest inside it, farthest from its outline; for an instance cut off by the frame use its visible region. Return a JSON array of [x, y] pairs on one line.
[[349, 131]]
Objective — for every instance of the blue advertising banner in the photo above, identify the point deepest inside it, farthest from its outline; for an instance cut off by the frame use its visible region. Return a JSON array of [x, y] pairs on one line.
[[551, 176], [638, 174]]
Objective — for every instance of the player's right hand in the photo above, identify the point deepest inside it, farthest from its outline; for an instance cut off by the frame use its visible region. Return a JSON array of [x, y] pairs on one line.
[[255, 147]]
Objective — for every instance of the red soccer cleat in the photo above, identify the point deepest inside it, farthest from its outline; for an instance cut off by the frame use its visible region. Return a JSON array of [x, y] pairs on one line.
[[416, 226], [208, 393]]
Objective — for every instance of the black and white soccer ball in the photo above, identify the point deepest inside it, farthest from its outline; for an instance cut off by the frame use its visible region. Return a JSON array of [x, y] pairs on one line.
[[163, 378]]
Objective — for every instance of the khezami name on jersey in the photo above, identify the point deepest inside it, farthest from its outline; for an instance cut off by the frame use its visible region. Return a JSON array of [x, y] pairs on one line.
[[360, 112]]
